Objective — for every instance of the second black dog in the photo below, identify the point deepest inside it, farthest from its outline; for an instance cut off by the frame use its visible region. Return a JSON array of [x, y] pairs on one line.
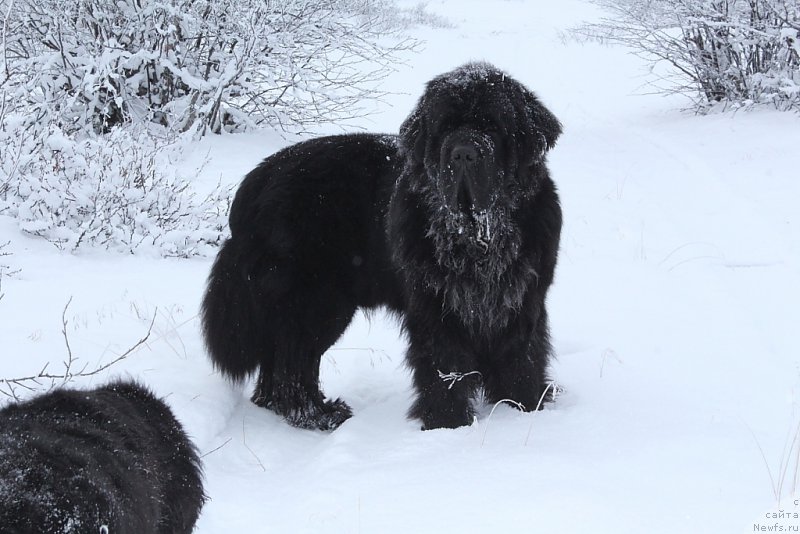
[[111, 460]]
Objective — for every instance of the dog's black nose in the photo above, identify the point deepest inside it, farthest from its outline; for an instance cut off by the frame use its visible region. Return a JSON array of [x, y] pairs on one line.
[[463, 154]]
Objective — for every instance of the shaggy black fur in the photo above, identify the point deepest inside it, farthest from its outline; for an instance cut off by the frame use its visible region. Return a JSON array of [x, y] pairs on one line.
[[454, 225], [112, 460]]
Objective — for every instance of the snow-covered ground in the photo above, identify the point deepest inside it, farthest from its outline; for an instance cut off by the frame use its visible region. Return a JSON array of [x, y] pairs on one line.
[[674, 315]]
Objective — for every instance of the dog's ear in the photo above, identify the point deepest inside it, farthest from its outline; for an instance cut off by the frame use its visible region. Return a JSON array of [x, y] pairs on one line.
[[543, 128], [413, 132]]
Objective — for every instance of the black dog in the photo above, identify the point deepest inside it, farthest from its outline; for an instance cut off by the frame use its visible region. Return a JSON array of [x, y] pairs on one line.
[[111, 460], [454, 225]]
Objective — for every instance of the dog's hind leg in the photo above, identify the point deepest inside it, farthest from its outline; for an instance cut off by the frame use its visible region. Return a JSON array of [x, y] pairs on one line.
[[304, 324]]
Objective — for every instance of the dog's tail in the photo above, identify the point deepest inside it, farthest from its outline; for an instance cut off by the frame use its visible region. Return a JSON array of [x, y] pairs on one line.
[[230, 313]]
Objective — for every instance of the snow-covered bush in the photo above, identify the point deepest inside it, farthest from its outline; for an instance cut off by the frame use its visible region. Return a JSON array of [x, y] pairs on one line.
[[739, 52], [417, 15], [194, 65], [96, 96], [111, 191]]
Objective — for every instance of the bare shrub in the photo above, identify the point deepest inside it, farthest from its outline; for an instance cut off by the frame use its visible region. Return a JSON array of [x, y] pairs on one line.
[[739, 52]]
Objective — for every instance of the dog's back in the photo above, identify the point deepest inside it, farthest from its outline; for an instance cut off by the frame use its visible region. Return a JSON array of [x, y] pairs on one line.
[[74, 462]]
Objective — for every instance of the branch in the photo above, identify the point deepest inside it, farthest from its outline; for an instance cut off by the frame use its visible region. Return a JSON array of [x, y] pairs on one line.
[[4, 32], [33, 383], [5, 270]]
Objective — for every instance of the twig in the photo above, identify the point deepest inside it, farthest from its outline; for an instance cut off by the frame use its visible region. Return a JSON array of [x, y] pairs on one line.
[[4, 32], [5, 270], [8, 386], [127, 352], [496, 404], [70, 357], [215, 449], [608, 353], [552, 386], [246, 446], [776, 490], [454, 377]]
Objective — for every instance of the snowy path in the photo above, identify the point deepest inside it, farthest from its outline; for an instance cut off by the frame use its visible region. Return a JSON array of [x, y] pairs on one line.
[[674, 316]]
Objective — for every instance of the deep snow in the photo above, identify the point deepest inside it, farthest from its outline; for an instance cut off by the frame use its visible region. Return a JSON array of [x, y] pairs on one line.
[[674, 316]]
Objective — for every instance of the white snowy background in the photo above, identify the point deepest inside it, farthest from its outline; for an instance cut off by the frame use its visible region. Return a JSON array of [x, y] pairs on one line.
[[674, 316]]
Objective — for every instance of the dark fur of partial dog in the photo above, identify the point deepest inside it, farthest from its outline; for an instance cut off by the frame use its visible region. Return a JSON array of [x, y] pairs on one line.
[[111, 460], [454, 225]]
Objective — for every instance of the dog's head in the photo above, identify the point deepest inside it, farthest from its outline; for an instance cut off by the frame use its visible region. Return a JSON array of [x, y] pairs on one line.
[[473, 144]]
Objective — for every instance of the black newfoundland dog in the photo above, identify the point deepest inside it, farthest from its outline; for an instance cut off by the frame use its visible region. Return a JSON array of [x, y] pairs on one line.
[[454, 225], [112, 460]]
